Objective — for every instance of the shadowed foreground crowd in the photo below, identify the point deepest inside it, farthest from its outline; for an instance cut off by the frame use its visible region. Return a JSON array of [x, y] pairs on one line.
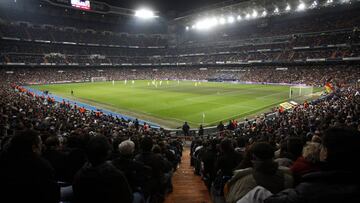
[[51, 151]]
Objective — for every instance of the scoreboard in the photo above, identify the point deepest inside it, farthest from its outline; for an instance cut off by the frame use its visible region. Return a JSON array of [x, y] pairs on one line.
[[81, 4], [91, 6]]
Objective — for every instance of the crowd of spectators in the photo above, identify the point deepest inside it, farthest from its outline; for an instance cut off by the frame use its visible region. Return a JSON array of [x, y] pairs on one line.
[[301, 155], [316, 75], [286, 51], [101, 157], [69, 34]]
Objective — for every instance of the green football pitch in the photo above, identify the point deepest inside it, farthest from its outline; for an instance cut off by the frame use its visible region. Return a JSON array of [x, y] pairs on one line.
[[173, 102]]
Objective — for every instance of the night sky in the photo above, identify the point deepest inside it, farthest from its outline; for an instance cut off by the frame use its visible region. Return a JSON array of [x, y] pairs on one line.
[[170, 8]]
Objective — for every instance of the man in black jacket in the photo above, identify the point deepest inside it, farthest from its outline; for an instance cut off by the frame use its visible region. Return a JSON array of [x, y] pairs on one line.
[[338, 181], [186, 129], [24, 175], [98, 180]]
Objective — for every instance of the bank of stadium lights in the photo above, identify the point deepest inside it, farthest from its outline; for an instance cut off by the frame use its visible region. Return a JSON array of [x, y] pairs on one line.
[[301, 6], [145, 13], [207, 23]]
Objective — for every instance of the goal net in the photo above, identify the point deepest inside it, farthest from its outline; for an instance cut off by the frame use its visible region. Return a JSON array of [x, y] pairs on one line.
[[98, 79], [300, 91]]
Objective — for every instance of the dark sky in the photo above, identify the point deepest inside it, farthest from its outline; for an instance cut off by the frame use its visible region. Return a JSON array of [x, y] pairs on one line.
[[172, 8]]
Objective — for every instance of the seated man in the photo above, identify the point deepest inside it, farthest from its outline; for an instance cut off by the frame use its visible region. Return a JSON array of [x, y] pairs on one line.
[[24, 175], [98, 180], [136, 172], [264, 172]]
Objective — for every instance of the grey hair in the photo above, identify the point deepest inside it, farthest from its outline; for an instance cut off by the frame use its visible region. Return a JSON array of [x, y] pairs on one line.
[[126, 147]]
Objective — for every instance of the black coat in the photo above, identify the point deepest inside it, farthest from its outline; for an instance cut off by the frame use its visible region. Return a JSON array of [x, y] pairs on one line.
[[322, 187], [136, 173], [27, 179], [103, 183]]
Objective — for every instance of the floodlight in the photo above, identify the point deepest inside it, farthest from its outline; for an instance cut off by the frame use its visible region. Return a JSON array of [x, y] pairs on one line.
[[193, 26], [202, 24], [239, 17], [187, 28], [288, 8], [222, 21], [276, 11], [329, 1], [213, 22], [301, 6], [247, 16], [230, 19], [206, 23], [264, 13], [314, 4], [254, 14], [144, 13]]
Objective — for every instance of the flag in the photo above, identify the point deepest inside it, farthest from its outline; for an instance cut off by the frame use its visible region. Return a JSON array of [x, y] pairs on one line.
[[329, 87]]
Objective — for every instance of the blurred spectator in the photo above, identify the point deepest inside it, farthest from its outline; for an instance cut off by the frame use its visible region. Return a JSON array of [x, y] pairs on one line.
[[98, 180], [338, 178]]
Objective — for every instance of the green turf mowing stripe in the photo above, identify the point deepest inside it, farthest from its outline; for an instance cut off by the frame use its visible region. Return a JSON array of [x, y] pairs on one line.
[[172, 104]]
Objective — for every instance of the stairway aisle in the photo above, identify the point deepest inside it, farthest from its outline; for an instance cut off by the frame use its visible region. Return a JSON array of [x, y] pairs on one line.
[[187, 187]]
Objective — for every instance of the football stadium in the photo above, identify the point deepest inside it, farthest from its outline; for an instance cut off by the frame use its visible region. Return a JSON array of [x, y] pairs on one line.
[[216, 101]]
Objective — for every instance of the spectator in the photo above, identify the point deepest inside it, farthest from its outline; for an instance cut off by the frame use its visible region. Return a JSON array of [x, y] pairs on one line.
[[98, 180], [338, 179], [158, 168], [186, 129], [308, 162], [136, 173], [201, 131], [24, 174], [220, 127], [264, 172]]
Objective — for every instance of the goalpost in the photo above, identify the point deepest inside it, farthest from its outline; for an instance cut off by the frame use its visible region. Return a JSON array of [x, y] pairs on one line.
[[98, 79], [300, 91]]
